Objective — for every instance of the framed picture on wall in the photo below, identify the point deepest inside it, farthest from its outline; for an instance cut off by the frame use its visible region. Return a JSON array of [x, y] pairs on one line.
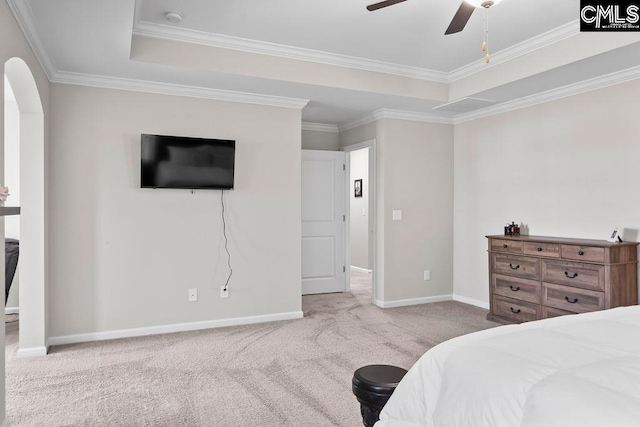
[[357, 188]]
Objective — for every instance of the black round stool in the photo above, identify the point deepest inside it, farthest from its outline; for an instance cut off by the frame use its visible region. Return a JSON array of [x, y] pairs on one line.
[[373, 385]]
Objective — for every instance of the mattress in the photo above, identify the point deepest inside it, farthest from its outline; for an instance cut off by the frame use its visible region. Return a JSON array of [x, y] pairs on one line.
[[578, 370]]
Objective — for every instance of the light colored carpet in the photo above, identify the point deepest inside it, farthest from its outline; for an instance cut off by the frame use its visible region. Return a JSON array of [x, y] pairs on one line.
[[290, 373]]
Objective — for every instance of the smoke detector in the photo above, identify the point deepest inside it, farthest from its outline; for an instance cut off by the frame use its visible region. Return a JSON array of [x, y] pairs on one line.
[[173, 17]]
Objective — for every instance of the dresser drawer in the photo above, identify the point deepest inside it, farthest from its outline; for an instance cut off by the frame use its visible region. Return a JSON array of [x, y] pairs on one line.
[[542, 249], [518, 266], [539, 277], [583, 253], [509, 246], [518, 311], [571, 299], [516, 288], [587, 276], [549, 312]]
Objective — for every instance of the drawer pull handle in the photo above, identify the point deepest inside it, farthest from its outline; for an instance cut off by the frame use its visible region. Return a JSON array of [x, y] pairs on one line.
[[573, 276], [514, 289], [505, 246], [515, 311], [539, 249], [575, 300], [580, 253], [514, 268]]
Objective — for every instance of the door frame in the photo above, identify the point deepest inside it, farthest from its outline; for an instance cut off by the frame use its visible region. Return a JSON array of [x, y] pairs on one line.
[[371, 144]]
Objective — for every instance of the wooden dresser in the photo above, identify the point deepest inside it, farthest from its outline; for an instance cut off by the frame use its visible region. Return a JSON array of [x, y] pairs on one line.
[[536, 277]]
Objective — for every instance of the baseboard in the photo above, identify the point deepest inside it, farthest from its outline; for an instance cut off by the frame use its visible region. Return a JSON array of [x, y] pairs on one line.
[[31, 352], [364, 270], [413, 301], [471, 301], [11, 310], [168, 329]]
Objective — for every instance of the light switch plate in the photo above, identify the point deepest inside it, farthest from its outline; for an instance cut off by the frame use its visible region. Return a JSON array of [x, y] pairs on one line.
[[397, 215]]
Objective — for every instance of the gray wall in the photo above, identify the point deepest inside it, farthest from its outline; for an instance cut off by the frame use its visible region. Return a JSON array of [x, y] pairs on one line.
[[124, 257], [373, 132], [366, 132], [565, 168], [320, 140], [414, 173], [418, 179]]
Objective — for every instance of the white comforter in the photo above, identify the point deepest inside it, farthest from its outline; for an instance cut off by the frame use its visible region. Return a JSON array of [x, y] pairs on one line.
[[580, 370]]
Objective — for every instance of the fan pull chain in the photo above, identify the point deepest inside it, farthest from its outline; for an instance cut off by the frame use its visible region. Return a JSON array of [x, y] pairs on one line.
[[484, 32], [487, 58]]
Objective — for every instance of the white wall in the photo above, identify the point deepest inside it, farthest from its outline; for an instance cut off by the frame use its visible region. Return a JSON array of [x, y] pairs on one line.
[[566, 168], [13, 301], [12, 165], [125, 257], [320, 140], [359, 225], [12, 180], [14, 44]]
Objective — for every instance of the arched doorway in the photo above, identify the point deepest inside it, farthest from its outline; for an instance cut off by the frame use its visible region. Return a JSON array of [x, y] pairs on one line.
[[32, 263]]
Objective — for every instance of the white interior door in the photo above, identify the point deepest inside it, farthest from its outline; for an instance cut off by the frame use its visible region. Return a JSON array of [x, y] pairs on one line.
[[323, 222]]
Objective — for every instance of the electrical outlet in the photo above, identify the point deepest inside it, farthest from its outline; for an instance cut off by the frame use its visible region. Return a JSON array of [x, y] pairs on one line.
[[224, 293], [427, 275], [193, 295]]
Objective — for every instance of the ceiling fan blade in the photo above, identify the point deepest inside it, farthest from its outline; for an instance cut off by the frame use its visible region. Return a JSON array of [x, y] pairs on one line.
[[461, 18], [382, 4]]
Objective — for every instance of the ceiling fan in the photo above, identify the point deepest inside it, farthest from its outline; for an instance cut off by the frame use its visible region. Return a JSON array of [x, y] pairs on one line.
[[459, 20]]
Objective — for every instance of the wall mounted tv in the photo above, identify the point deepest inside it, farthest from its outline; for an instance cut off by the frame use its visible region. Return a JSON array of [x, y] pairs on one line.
[[182, 162]]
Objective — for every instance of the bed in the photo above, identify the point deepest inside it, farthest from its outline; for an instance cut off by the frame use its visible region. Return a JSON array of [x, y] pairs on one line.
[[579, 370]]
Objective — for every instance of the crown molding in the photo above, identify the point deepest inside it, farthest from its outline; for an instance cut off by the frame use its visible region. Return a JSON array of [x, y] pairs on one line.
[[386, 113], [168, 32], [24, 16], [505, 107], [538, 42], [319, 127], [358, 122], [175, 89], [611, 79]]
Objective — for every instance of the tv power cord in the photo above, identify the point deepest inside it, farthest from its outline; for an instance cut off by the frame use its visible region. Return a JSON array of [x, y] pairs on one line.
[[226, 242]]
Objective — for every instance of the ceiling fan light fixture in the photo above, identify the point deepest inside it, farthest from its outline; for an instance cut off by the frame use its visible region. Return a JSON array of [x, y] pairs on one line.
[[483, 3]]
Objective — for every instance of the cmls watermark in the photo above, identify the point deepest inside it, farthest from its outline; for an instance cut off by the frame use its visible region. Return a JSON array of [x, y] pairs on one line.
[[613, 16]]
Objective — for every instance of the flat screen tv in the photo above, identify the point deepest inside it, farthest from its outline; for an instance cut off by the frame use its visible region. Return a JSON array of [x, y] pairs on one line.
[[182, 162]]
